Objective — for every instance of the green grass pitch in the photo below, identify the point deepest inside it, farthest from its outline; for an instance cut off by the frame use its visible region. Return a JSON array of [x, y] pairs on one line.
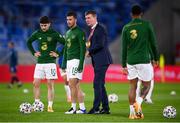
[[10, 99]]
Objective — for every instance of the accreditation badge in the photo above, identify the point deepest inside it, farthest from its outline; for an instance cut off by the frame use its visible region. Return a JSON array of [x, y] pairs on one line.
[[88, 44]]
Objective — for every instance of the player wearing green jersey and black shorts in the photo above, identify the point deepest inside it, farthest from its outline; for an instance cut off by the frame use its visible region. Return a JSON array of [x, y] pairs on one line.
[[47, 39], [73, 62], [137, 37]]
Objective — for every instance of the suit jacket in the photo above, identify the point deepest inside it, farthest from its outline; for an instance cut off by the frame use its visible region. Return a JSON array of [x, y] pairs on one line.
[[98, 50]]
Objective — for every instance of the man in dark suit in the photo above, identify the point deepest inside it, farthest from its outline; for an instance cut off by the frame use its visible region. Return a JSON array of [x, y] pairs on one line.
[[97, 45]]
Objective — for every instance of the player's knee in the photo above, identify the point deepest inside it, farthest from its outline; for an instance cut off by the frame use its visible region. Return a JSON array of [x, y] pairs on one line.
[[50, 85], [36, 84], [64, 78], [148, 87], [80, 95], [133, 86], [66, 83], [72, 85]]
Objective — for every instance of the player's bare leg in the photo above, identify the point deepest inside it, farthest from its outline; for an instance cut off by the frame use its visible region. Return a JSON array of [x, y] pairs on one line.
[[148, 96], [148, 99], [81, 95], [36, 89], [50, 85], [74, 95], [67, 88], [138, 89], [132, 97], [144, 91]]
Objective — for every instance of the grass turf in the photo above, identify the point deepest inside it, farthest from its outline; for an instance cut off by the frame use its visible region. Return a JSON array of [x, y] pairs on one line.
[[10, 99]]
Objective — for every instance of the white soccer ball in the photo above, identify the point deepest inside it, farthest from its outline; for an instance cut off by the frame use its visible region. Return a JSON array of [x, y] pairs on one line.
[[173, 93], [169, 112], [25, 108], [25, 91], [38, 106], [112, 98]]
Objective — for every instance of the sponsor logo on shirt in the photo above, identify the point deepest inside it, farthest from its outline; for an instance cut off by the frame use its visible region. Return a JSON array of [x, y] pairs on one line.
[[44, 46]]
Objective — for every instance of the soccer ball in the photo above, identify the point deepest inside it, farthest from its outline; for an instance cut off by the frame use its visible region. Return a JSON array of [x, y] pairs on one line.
[[113, 98], [169, 112], [25, 108], [38, 106]]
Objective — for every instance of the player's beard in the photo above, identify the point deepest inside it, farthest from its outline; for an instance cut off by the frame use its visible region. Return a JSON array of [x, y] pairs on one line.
[[71, 26], [44, 30]]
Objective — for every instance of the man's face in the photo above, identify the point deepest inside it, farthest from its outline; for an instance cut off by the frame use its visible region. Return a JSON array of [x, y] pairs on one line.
[[90, 20], [45, 27], [10, 45], [71, 21]]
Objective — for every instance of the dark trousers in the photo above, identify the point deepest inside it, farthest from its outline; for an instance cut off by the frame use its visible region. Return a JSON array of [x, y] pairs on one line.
[[100, 95]]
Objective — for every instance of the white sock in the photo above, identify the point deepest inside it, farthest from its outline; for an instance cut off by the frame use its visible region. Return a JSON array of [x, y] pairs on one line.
[[82, 106], [50, 103], [138, 90], [73, 105], [148, 96], [37, 100], [139, 100], [68, 91], [131, 108]]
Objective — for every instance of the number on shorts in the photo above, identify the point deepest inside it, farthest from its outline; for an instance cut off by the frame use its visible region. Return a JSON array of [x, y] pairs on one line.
[[53, 72], [74, 70]]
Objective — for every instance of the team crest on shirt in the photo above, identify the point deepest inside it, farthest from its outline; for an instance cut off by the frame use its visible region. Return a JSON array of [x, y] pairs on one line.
[[49, 38], [68, 43], [73, 36]]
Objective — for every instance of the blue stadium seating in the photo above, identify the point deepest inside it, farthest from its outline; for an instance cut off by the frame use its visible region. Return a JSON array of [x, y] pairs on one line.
[[18, 19]]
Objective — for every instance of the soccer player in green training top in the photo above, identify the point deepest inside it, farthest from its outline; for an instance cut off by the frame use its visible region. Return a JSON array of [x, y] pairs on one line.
[[137, 37], [74, 54], [47, 39]]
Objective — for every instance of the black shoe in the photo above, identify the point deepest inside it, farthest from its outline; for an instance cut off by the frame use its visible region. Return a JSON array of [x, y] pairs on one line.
[[104, 111], [70, 111], [93, 111]]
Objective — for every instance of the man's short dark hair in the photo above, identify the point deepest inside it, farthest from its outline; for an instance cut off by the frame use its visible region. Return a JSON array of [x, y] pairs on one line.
[[91, 12], [136, 10], [71, 13], [44, 20]]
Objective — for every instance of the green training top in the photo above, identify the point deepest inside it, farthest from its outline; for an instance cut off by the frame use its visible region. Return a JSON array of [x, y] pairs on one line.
[[47, 42], [138, 43], [75, 47]]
